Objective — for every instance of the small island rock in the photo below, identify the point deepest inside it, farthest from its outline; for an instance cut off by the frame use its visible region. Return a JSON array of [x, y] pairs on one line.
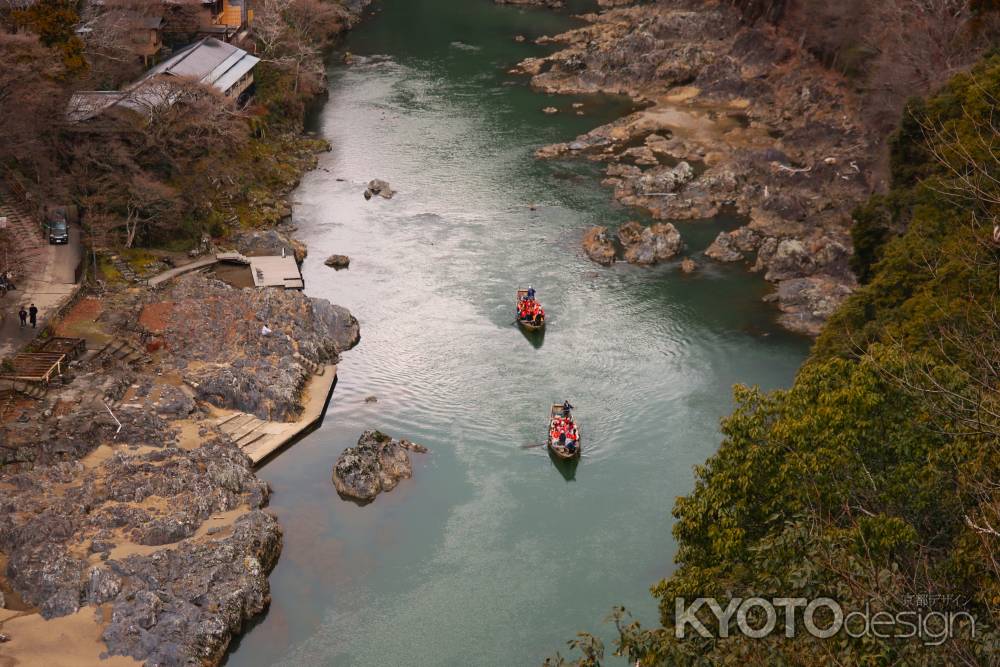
[[598, 246], [379, 187], [338, 261], [375, 465]]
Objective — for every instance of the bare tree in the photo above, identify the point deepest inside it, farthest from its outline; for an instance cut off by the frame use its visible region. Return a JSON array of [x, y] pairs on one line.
[[292, 34], [31, 103]]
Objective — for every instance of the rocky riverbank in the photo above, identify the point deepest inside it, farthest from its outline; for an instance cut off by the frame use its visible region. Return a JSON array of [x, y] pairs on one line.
[[121, 495], [763, 128], [132, 526]]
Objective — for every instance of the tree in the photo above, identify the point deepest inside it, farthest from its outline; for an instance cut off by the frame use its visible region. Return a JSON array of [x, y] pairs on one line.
[[292, 35], [159, 159], [55, 22], [31, 104], [873, 479], [108, 29]]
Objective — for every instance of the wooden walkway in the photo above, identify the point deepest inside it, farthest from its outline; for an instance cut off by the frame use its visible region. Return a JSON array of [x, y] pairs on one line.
[[181, 270], [260, 439]]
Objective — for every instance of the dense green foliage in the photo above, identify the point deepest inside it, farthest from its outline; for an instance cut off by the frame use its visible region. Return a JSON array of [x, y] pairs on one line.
[[873, 479]]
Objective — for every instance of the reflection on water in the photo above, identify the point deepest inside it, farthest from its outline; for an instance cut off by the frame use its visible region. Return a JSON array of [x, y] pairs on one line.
[[492, 554]]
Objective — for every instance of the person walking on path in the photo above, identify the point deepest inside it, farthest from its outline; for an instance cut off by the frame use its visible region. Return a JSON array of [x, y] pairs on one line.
[[33, 315], [23, 315]]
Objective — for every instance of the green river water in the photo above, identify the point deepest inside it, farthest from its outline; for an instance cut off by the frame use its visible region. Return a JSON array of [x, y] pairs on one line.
[[490, 555]]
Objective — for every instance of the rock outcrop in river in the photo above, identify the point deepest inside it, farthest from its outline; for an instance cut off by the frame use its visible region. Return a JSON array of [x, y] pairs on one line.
[[649, 245], [375, 465], [736, 116], [638, 245]]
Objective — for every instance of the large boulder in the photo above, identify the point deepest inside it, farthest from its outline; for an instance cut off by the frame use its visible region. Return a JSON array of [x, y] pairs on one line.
[[723, 249], [217, 341], [256, 243], [649, 245], [375, 465], [342, 326], [598, 246]]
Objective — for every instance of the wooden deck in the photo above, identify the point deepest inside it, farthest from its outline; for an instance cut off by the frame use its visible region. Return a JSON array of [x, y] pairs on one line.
[[34, 367]]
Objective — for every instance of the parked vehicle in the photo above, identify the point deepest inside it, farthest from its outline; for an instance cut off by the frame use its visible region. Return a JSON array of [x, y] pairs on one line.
[[56, 225]]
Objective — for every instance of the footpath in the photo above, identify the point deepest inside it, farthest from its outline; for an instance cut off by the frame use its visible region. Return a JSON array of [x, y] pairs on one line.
[[44, 275]]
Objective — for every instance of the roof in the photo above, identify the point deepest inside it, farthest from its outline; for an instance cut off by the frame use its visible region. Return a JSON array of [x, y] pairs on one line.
[[85, 105], [207, 61]]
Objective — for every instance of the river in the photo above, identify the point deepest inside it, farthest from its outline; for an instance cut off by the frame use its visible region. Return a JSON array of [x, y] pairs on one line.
[[491, 555]]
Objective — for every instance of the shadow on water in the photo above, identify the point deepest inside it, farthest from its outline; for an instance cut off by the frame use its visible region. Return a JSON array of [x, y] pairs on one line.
[[536, 338], [566, 467]]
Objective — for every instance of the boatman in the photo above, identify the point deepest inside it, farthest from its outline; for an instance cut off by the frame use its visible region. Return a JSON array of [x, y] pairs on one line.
[[566, 408], [531, 293]]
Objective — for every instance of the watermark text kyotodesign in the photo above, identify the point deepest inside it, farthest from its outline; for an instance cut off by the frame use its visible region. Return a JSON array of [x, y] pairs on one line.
[[757, 617]]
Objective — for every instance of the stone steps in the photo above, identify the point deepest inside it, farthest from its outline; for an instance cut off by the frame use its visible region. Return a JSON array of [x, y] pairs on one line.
[[121, 350], [260, 439], [255, 437], [35, 390], [311, 366], [233, 258], [124, 269]]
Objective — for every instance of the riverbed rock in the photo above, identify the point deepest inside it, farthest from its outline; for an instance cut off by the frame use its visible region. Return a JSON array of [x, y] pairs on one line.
[[649, 245], [733, 246], [789, 259], [338, 261], [379, 187], [664, 180], [598, 245], [723, 249], [688, 265], [161, 601], [340, 324], [375, 465]]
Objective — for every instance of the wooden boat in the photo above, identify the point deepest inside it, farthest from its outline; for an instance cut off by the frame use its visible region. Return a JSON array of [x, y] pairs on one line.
[[562, 451], [525, 324]]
